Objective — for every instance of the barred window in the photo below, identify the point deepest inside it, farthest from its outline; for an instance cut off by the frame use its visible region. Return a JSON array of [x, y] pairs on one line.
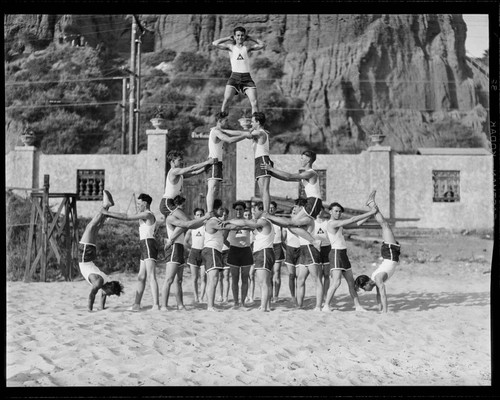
[[89, 184], [446, 186], [322, 184]]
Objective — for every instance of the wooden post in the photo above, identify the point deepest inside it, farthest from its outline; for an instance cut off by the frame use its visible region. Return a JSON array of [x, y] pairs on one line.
[[67, 238], [45, 227], [27, 275]]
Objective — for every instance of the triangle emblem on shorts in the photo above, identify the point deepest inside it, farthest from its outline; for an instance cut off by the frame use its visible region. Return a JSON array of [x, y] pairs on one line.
[[240, 57]]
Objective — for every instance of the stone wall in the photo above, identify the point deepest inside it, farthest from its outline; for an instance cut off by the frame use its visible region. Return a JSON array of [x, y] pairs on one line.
[[403, 182], [126, 176]]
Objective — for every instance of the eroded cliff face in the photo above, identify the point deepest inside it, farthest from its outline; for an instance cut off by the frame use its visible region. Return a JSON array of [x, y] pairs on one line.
[[357, 74]]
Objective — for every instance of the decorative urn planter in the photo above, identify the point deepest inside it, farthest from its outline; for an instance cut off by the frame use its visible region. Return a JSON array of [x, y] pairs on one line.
[[377, 139], [158, 123], [28, 137]]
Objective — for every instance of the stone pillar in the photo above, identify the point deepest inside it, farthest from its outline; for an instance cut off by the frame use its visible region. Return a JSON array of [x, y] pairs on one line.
[[21, 169], [380, 176], [245, 174], [156, 167]]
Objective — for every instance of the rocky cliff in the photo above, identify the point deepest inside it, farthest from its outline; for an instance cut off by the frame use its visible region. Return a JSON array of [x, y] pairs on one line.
[[398, 75]]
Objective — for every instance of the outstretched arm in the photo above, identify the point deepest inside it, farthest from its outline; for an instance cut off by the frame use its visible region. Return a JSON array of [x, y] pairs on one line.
[[351, 222], [128, 217], [287, 176], [381, 293], [189, 171], [232, 139]]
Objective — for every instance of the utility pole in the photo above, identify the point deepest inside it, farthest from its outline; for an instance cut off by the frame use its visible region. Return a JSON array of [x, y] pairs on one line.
[[132, 93], [124, 114], [138, 95]]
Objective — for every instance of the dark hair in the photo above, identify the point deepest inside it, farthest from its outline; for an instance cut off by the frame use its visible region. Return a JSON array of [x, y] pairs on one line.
[[360, 282], [225, 209], [178, 200], [335, 204], [220, 116], [173, 154], [239, 29], [301, 202], [114, 287], [145, 197], [198, 209], [311, 154], [259, 205], [239, 203], [217, 204], [259, 117]]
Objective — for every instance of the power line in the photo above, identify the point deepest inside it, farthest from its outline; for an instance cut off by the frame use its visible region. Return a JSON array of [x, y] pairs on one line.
[[226, 78], [195, 105]]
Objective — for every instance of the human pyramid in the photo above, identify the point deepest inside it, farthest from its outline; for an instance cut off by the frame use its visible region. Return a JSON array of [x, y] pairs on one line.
[[253, 245]]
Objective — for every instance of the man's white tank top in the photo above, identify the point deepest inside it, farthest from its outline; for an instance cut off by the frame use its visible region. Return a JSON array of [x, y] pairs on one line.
[[262, 240], [320, 232], [239, 59], [312, 190], [337, 241], [239, 238], [170, 232], [292, 239], [277, 234], [261, 149], [146, 231], [198, 237], [171, 189], [214, 240], [215, 150]]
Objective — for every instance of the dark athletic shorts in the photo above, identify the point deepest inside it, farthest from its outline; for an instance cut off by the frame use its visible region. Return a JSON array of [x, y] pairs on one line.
[[195, 258], [279, 254], [239, 256], [260, 172], [167, 206], [292, 255], [175, 254], [324, 252], [313, 206], [390, 251], [339, 260], [264, 259], [309, 255], [214, 171], [241, 82], [149, 249], [212, 259], [88, 252], [225, 253]]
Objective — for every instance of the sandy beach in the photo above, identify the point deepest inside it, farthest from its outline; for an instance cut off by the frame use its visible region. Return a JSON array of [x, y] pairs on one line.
[[437, 333]]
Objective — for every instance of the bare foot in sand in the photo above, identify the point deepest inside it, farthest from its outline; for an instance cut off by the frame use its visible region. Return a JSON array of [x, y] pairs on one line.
[[182, 308], [212, 309], [135, 307], [359, 308], [155, 308]]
